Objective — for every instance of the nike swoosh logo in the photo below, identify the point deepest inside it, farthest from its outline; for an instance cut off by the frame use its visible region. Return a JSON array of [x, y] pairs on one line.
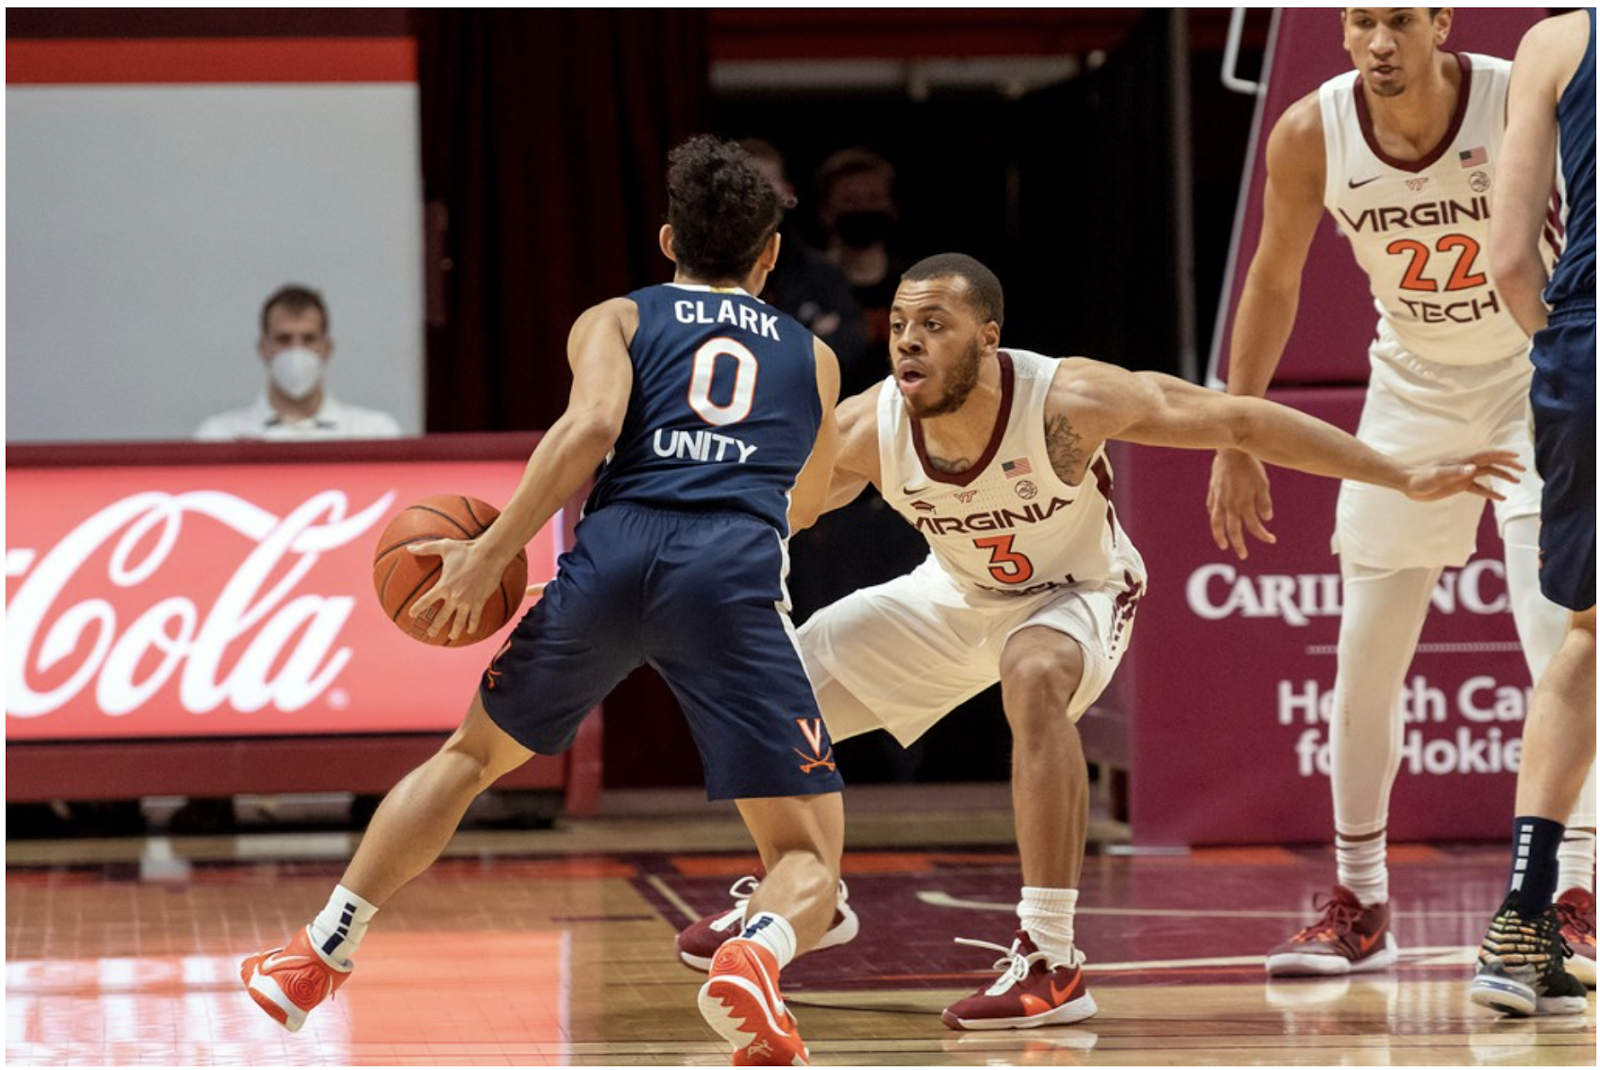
[[1357, 185], [279, 962], [914, 488], [1367, 942]]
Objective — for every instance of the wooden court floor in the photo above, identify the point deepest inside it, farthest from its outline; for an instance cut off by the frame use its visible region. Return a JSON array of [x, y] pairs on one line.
[[555, 948]]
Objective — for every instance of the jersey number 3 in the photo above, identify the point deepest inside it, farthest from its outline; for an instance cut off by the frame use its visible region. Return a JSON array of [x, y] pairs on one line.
[[1005, 564], [705, 370]]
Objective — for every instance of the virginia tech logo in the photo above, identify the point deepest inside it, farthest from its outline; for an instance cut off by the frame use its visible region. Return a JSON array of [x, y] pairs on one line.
[[821, 756]]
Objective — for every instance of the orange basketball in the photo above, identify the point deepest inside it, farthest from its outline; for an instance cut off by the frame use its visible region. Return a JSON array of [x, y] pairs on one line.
[[399, 575]]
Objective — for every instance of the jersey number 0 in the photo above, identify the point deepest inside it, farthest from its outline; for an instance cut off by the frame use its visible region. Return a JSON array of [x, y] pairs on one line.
[[705, 370]]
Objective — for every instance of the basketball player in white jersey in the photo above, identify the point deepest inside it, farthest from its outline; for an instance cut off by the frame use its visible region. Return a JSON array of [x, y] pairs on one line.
[[997, 457], [1402, 154]]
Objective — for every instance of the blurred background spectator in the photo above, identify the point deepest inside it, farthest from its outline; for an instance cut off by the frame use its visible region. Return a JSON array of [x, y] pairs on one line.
[[296, 405]]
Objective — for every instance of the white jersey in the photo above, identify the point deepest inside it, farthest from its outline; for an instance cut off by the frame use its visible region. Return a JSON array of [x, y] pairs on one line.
[[1008, 524], [1420, 229]]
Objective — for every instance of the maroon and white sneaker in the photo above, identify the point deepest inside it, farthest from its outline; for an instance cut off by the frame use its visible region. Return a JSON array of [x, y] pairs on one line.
[[697, 945], [1348, 938], [1029, 992], [1576, 910]]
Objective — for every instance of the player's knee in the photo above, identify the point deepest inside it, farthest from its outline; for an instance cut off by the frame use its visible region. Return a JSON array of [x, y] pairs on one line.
[[1583, 623], [1038, 683], [482, 750]]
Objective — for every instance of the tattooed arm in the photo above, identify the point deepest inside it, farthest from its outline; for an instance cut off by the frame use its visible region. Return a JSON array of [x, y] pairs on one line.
[[1068, 452]]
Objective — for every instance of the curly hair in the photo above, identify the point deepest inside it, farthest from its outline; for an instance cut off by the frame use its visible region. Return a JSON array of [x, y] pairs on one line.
[[984, 293], [722, 209]]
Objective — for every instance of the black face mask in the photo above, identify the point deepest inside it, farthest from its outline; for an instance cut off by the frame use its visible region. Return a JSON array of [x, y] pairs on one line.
[[861, 230]]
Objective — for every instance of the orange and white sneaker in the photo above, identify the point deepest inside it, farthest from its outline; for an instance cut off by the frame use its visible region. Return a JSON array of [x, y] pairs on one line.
[[1348, 938], [741, 1002], [1576, 911], [1030, 992], [287, 982]]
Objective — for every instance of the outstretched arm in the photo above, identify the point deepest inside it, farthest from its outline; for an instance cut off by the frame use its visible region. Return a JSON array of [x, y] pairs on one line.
[[1160, 410], [567, 456]]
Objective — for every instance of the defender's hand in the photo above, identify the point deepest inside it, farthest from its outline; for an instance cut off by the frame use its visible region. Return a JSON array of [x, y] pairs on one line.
[[1239, 499], [1430, 482]]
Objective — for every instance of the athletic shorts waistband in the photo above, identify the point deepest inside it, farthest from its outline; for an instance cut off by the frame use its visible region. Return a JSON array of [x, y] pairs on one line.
[[1571, 312], [694, 514]]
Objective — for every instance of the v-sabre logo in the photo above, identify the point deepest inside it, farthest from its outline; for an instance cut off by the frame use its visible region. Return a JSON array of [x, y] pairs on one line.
[[821, 756]]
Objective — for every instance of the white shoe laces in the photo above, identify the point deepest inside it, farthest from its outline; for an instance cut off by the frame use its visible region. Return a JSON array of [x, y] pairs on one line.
[[1013, 965], [741, 890]]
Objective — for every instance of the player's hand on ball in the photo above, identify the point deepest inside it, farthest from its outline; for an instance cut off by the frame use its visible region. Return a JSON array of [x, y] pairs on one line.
[[465, 583], [1239, 499], [1430, 482]]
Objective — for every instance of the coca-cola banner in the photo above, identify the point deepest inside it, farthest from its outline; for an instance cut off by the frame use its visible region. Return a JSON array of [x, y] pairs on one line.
[[1228, 682], [226, 600]]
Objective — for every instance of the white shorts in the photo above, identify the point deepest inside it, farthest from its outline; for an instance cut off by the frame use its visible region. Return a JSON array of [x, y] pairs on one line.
[[1418, 411], [901, 655]]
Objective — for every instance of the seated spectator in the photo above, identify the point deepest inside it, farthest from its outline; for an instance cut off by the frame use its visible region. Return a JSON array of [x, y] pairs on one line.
[[296, 405]]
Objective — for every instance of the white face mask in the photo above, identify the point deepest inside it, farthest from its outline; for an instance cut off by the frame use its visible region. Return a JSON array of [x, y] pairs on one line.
[[296, 371]]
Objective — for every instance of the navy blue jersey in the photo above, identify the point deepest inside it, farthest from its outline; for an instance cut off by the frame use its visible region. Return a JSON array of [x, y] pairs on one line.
[[1572, 284], [724, 410]]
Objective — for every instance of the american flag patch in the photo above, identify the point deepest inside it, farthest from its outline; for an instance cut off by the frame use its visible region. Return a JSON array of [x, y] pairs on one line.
[[1018, 467], [1474, 157]]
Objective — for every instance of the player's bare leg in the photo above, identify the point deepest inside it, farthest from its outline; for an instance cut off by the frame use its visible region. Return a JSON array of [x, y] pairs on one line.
[[1041, 977], [412, 826], [1521, 963], [418, 817], [1039, 673], [1558, 741], [800, 839]]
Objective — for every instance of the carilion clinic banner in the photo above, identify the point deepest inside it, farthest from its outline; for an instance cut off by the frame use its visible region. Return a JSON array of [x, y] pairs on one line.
[[1229, 677], [172, 600]]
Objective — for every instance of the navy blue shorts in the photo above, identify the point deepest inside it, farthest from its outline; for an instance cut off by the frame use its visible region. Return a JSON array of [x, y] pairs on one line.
[[1563, 444], [697, 596]]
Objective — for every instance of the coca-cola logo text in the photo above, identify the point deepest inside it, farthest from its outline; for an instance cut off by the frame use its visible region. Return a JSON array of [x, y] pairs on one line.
[[290, 653]]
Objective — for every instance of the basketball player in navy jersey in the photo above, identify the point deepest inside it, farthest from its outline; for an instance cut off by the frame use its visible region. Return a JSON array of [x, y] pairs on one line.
[[1400, 153], [997, 456], [1550, 117], [713, 417]]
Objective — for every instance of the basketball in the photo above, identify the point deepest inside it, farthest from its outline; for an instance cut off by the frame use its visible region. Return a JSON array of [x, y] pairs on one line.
[[399, 576]]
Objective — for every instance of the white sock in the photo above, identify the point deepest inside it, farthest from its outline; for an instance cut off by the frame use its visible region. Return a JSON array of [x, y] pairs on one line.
[[1046, 913], [1363, 866], [773, 932], [338, 930], [1575, 858]]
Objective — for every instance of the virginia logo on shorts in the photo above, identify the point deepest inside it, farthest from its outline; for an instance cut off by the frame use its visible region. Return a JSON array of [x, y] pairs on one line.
[[811, 728], [491, 674]]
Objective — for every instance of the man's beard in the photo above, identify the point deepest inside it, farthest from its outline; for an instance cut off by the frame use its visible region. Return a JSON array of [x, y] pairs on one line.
[[963, 378]]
